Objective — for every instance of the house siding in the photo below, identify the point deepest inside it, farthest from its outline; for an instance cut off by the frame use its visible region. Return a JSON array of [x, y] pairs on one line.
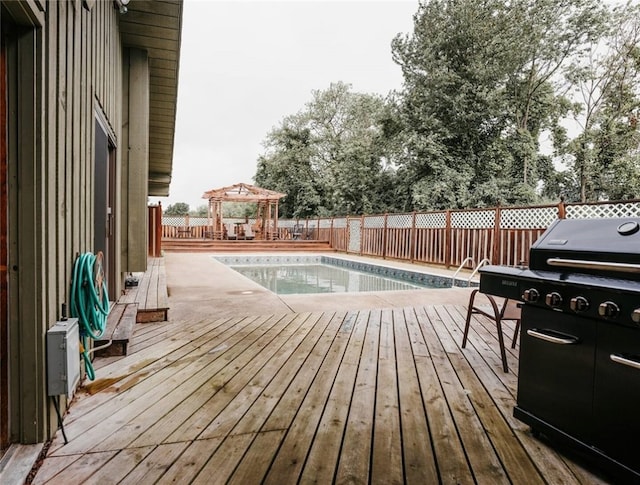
[[65, 70]]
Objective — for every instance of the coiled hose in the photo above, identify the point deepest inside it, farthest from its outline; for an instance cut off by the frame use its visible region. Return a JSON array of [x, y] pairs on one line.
[[89, 302]]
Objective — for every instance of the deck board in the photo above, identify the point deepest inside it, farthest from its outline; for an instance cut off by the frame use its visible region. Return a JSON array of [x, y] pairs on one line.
[[386, 466], [368, 396], [151, 292]]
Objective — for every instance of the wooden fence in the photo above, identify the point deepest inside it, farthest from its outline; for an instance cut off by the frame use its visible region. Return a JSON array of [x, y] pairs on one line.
[[500, 235]]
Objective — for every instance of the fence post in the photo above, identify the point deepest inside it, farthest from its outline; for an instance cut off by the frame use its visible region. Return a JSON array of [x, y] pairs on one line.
[[361, 234], [447, 238], [384, 236], [155, 231], [562, 209], [414, 239], [331, 231], [495, 257]]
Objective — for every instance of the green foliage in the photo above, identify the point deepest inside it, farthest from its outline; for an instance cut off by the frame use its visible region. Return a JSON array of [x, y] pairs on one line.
[[332, 157], [484, 82], [605, 152], [200, 211], [238, 210], [177, 209], [480, 89]]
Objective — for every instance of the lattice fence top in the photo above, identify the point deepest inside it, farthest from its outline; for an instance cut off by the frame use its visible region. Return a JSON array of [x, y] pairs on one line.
[[174, 221], [400, 221], [631, 209], [341, 222], [473, 219], [432, 220], [510, 218], [287, 223], [528, 218], [198, 221], [373, 222], [195, 221]]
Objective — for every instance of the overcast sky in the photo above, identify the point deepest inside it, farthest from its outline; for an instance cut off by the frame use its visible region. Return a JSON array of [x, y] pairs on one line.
[[245, 65]]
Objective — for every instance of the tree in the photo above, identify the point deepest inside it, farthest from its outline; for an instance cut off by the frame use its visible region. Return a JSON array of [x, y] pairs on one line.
[[239, 210], [479, 89], [333, 157], [605, 152], [200, 211], [177, 209], [286, 168]]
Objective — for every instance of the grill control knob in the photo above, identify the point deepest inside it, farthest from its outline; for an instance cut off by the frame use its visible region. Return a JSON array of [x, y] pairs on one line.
[[531, 295], [579, 304], [608, 309], [553, 299], [635, 315]]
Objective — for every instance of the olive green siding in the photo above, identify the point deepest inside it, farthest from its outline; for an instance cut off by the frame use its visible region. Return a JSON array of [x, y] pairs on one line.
[[68, 65], [135, 160]]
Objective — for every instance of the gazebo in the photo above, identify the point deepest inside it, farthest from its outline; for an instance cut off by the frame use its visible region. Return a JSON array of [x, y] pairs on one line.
[[266, 226]]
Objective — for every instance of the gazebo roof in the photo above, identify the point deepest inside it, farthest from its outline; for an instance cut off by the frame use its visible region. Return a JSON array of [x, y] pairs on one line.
[[242, 193]]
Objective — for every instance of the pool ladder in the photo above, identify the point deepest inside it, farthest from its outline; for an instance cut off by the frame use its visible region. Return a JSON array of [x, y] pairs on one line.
[[473, 273]]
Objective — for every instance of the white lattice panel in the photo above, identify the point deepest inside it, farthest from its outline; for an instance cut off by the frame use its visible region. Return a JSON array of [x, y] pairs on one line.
[[340, 222], [432, 220], [286, 223], [631, 209], [173, 221], [198, 221], [400, 221], [354, 234], [473, 219], [324, 223], [528, 218], [374, 222]]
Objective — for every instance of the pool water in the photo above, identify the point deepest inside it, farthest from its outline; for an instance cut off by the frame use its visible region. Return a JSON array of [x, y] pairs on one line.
[[288, 279]]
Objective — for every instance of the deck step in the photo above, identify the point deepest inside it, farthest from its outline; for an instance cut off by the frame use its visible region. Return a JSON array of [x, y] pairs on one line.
[[150, 293], [120, 323], [207, 245]]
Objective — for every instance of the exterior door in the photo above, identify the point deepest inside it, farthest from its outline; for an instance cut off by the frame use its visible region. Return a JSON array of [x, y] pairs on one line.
[[104, 205], [4, 277]]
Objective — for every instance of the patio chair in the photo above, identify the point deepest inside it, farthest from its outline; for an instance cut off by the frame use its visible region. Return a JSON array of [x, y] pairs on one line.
[[510, 310], [248, 232], [309, 234], [297, 231], [231, 231]]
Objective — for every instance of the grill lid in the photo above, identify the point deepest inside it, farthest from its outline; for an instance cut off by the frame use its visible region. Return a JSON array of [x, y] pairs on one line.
[[604, 247]]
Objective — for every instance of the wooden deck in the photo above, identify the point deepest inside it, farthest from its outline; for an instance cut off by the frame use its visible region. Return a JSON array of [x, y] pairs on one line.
[[150, 294], [376, 396]]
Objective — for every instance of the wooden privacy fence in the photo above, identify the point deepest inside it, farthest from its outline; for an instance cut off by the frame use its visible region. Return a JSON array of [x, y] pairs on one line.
[[500, 235]]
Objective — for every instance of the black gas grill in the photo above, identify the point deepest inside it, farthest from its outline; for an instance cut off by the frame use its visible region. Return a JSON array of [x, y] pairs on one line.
[[579, 374]]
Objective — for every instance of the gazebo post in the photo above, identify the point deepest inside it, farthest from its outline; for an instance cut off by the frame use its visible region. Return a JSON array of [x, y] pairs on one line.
[[221, 224], [275, 221], [270, 220], [210, 218]]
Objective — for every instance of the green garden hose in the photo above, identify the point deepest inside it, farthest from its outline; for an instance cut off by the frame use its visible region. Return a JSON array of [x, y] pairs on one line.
[[89, 302]]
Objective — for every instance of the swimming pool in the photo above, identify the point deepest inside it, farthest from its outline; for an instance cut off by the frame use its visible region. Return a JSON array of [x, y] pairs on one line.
[[324, 274]]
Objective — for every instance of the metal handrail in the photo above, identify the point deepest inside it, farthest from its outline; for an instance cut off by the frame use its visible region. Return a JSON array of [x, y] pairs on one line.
[[473, 273], [453, 280], [480, 265]]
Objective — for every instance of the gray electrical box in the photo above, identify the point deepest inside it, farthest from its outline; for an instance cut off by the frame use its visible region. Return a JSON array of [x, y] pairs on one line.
[[63, 357]]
